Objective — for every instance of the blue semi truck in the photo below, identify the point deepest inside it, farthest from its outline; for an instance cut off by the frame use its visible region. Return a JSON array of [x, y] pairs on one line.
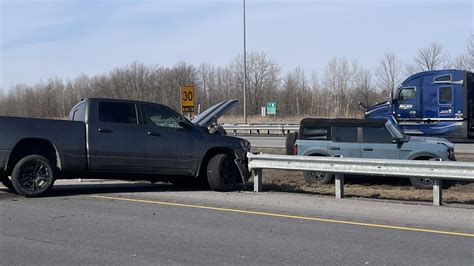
[[433, 103]]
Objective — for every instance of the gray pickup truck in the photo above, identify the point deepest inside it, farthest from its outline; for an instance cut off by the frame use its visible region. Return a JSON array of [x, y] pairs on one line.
[[121, 139], [360, 138]]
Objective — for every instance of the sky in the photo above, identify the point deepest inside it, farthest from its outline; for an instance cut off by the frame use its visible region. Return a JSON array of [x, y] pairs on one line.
[[41, 39]]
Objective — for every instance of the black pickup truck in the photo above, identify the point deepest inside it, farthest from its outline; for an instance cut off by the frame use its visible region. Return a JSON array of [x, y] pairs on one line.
[[121, 139]]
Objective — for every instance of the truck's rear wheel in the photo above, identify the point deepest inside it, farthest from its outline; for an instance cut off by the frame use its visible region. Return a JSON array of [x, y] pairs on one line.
[[317, 178], [33, 176], [222, 173], [7, 182], [422, 183]]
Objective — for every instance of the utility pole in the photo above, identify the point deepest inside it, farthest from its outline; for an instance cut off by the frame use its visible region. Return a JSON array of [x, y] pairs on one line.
[[245, 71]]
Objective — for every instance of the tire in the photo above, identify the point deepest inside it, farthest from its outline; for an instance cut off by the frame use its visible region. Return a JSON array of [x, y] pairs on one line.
[[33, 176], [222, 173], [7, 182], [317, 178], [290, 142], [421, 183]]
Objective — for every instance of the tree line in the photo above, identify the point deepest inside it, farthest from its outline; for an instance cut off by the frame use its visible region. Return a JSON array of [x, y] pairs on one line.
[[335, 93]]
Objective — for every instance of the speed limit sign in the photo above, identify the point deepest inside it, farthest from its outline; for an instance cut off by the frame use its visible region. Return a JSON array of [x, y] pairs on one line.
[[187, 99]]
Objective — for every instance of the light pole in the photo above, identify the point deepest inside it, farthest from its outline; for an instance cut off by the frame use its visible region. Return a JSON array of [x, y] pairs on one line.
[[245, 71]]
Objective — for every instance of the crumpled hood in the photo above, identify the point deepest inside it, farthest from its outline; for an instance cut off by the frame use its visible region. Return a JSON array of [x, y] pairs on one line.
[[433, 140], [213, 113]]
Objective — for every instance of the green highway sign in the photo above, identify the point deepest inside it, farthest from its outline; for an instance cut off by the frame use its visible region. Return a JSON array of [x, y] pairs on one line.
[[271, 108]]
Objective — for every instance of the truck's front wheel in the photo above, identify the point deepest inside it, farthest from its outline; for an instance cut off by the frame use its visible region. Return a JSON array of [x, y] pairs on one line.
[[222, 173], [33, 176]]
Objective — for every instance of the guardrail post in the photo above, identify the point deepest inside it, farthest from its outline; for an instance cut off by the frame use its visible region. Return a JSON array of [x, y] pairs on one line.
[[339, 183], [437, 192], [257, 180]]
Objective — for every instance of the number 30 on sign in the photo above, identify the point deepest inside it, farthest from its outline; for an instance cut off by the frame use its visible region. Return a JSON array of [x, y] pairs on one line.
[[187, 99]]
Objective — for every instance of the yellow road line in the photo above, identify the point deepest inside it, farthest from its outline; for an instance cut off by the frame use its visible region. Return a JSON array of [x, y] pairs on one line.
[[287, 216]]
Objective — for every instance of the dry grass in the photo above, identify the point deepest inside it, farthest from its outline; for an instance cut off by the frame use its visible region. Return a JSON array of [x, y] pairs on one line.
[[365, 187]]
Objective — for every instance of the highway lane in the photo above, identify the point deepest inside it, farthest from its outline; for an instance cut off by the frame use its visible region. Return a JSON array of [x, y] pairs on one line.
[[136, 223], [279, 142]]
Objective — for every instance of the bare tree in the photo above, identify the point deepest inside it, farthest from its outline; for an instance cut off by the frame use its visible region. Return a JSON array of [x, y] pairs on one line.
[[466, 61], [389, 74], [364, 88], [262, 78], [294, 97], [429, 58], [337, 81]]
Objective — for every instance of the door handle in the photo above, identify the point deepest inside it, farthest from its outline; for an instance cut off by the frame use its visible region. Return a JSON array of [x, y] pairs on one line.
[[151, 133], [367, 149], [335, 148], [104, 130]]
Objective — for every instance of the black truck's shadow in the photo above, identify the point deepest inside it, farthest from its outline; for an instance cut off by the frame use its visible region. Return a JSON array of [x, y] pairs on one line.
[[61, 190]]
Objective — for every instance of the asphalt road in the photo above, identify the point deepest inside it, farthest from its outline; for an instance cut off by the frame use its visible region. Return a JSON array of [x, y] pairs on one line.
[[279, 142], [141, 224]]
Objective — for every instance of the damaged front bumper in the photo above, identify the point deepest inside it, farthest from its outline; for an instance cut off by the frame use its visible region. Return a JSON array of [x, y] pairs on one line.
[[242, 163]]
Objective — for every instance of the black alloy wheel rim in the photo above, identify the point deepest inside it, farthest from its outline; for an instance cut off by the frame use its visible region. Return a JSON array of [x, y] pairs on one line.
[[34, 176]]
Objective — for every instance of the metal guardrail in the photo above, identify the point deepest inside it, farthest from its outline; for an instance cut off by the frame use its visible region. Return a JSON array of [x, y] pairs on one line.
[[437, 170], [261, 128]]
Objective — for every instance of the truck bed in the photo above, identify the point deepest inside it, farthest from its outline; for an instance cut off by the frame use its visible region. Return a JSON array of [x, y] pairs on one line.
[[68, 137]]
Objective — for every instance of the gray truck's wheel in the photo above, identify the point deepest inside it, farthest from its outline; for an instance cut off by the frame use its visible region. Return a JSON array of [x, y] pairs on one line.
[[290, 142], [422, 183], [7, 182], [33, 176], [317, 178], [222, 173]]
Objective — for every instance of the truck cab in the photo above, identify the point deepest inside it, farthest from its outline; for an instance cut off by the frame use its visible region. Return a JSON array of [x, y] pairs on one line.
[[433, 103]]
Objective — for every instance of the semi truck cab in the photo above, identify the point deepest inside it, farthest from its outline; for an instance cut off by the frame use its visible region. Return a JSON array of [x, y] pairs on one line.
[[432, 103]]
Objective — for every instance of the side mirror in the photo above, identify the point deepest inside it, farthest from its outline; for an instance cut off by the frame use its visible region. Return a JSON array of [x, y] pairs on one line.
[[363, 106], [182, 123], [397, 140]]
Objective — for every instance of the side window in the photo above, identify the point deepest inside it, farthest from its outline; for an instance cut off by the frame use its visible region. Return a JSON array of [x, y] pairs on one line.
[[406, 94], [80, 113], [445, 95], [442, 78], [376, 135], [344, 134], [160, 116], [315, 133], [116, 112]]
